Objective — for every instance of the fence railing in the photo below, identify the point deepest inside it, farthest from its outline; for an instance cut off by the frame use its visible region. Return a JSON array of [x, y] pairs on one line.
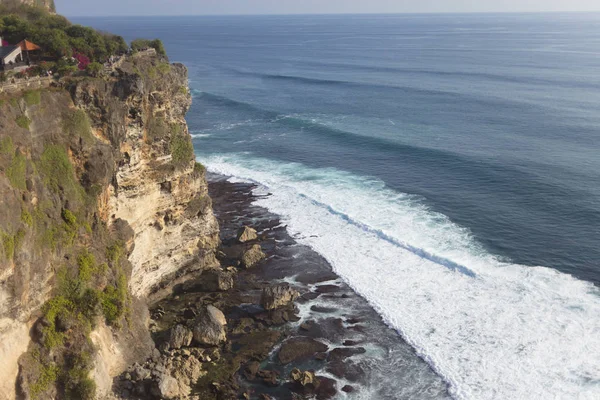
[[23, 84]]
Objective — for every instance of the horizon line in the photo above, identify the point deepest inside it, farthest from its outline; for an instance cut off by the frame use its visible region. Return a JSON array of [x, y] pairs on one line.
[[340, 13]]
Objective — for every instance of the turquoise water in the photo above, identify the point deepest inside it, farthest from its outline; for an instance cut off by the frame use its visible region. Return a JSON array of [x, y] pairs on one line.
[[448, 167]]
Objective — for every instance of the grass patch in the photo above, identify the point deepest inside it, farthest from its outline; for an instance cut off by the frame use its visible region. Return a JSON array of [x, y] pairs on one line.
[[8, 244], [17, 170], [27, 218], [6, 146], [182, 150], [32, 97], [77, 124], [23, 122], [48, 376]]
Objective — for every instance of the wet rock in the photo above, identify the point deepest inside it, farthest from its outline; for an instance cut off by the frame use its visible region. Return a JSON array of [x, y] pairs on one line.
[[323, 310], [299, 348], [276, 296], [326, 389], [209, 327], [305, 326], [327, 289], [347, 370], [269, 378], [340, 353], [351, 342], [303, 378], [250, 370], [246, 234], [180, 336], [253, 256], [321, 356], [348, 389]]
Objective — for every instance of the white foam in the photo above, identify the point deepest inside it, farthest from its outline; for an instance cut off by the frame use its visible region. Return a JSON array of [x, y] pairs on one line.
[[492, 329]]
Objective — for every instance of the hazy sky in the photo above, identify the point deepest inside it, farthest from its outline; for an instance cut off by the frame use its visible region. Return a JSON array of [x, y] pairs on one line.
[[198, 7]]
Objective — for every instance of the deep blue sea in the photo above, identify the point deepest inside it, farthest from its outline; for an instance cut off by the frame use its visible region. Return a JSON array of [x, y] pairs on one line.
[[447, 166]]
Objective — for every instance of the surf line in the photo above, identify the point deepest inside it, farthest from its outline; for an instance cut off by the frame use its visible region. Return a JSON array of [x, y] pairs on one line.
[[422, 253]]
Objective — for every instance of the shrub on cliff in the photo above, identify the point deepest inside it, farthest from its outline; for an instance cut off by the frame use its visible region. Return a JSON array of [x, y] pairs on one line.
[[56, 35], [94, 69], [182, 151], [143, 44]]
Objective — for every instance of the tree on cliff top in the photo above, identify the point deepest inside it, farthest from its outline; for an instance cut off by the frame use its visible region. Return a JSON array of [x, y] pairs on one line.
[[55, 34]]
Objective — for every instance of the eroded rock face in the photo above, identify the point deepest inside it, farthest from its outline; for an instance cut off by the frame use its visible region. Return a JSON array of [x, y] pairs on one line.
[[153, 201], [278, 296], [246, 234], [253, 256], [209, 327]]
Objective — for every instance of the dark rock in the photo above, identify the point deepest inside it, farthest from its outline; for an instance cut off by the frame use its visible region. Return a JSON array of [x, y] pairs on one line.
[[348, 389], [209, 327], [250, 370], [323, 310], [321, 356], [299, 348], [351, 342], [180, 336], [305, 326], [327, 289], [276, 296], [340, 353], [269, 378], [326, 389], [212, 280]]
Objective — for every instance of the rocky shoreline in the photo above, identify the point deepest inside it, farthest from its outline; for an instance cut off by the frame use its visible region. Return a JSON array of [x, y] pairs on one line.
[[278, 324]]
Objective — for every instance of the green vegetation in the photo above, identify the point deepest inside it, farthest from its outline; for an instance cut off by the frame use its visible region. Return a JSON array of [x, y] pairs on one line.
[[17, 170], [6, 146], [156, 128], [55, 34], [48, 376], [199, 168], [182, 151], [23, 121], [26, 218], [77, 124], [142, 44], [8, 244], [58, 174], [94, 69], [32, 97]]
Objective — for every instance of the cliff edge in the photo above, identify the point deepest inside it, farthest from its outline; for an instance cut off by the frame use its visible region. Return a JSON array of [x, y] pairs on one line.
[[103, 209]]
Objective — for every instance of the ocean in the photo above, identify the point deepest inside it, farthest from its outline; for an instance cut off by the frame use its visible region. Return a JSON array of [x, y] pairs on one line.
[[446, 166]]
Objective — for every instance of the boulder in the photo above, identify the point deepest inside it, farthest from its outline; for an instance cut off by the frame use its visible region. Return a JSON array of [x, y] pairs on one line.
[[209, 327], [253, 256], [299, 348], [303, 378], [246, 234], [168, 387], [179, 337], [276, 296]]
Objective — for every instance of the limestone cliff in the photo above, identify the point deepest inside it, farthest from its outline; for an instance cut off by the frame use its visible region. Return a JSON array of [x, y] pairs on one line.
[[102, 208]]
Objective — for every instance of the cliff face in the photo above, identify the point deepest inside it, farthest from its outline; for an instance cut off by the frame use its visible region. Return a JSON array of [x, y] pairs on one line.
[[100, 197]]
